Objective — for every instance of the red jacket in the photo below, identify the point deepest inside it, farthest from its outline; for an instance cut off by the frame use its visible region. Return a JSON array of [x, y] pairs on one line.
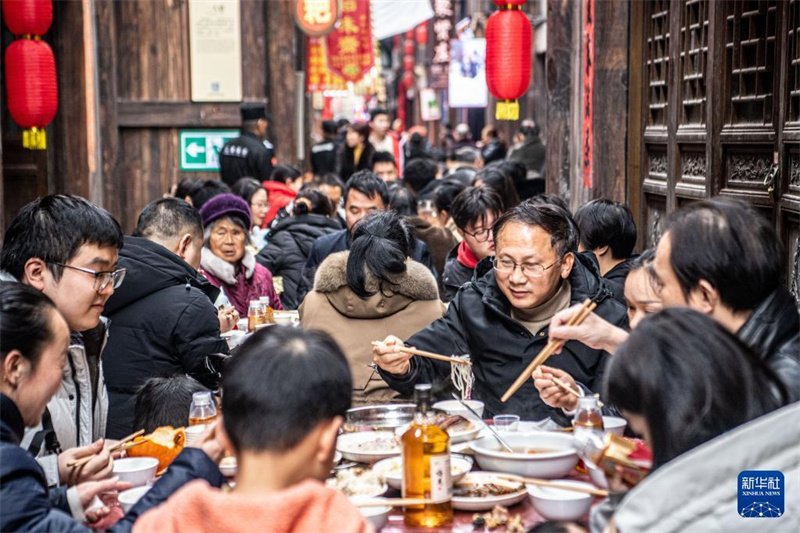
[[279, 196]]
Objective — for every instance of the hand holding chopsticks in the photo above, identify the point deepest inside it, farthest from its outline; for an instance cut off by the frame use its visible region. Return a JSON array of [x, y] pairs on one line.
[[586, 308], [423, 353], [122, 445]]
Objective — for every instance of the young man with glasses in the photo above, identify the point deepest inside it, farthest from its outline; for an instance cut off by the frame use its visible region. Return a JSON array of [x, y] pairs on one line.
[[501, 317], [68, 249], [474, 211]]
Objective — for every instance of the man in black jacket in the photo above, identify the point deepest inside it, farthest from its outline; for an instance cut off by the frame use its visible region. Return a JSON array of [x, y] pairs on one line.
[[163, 321], [250, 155], [323, 153], [365, 194], [501, 318]]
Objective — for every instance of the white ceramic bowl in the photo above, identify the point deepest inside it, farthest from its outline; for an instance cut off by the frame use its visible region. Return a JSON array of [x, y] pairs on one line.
[[391, 470], [559, 504], [228, 466], [356, 446], [233, 338], [549, 465], [454, 407], [377, 516], [487, 503], [137, 471], [614, 424], [128, 498], [285, 318], [598, 476]]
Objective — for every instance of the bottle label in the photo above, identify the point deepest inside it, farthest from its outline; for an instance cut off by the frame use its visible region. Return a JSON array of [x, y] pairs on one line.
[[441, 484]]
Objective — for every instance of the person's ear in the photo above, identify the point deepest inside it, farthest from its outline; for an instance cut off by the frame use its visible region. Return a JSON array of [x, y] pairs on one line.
[[704, 298], [183, 245], [16, 368], [34, 273], [601, 250], [328, 432], [566, 265]]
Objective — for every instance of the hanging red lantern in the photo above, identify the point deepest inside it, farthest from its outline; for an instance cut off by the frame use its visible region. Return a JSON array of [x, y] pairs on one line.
[[408, 79], [408, 63], [421, 34], [31, 89], [508, 58], [505, 3], [28, 17], [408, 47]]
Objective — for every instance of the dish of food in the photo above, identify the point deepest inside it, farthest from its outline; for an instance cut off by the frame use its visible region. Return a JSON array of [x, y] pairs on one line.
[[458, 428], [392, 469], [481, 491], [368, 446], [359, 482]]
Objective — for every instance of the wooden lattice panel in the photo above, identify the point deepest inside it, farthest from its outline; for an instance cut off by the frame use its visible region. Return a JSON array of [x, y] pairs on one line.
[[694, 56], [657, 61], [793, 81]]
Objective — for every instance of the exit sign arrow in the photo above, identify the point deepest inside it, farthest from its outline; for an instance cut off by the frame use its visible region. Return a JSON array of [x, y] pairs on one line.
[[194, 149]]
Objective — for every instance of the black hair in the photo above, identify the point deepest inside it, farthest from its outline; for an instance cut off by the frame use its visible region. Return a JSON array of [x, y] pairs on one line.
[[402, 200], [552, 219], [498, 180], [606, 223], [25, 321], [164, 401], [550, 527], [207, 191], [378, 111], [513, 169], [284, 173], [529, 129], [418, 173], [464, 176], [645, 260], [341, 123], [381, 244], [281, 383], [187, 187], [168, 218], [474, 204], [328, 178], [329, 127], [310, 201], [690, 379], [368, 184], [444, 195], [245, 188], [465, 154], [362, 128], [417, 148], [383, 157], [548, 199], [53, 229], [728, 244]]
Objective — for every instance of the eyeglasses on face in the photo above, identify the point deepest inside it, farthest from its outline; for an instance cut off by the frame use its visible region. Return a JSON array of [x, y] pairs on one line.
[[101, 278], [529, 270], [480, 236]]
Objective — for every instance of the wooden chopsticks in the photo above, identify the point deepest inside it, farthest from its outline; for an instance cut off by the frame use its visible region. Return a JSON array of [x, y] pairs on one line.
[[429, 355], [580, 315], [124, 444], [394, 502], [566, 387], [556, 485]]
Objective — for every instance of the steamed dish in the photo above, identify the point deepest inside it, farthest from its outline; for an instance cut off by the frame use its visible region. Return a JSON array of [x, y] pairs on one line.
[[357, 482]]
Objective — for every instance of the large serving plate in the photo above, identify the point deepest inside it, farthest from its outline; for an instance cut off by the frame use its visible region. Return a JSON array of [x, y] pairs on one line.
[[392, 469], [387, 417], [368, 446], [486, 503]]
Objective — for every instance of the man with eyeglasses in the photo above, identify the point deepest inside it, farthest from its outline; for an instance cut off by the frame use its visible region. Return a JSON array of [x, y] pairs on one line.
[[474, 211], [68, 249], [501, 317]]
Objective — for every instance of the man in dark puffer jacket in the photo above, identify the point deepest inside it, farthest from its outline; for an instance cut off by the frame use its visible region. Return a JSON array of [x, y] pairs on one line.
[[163, 321]]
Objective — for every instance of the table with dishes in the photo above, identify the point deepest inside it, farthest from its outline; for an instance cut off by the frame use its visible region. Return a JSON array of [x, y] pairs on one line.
[[511, 491]]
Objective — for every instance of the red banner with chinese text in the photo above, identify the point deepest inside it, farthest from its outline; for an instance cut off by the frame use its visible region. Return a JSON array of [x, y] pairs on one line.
[[587, 155], [318, 76], [351, 52]]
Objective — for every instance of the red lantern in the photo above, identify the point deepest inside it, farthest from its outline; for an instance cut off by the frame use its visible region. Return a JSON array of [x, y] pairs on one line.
[[408, 47], [31, 88], [421, 34], [508, 59], [408, 79], [408, 64], [505, 3], [28, 17]]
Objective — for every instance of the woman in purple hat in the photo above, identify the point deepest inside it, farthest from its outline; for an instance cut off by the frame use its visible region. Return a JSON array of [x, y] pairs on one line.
[[226, 262]]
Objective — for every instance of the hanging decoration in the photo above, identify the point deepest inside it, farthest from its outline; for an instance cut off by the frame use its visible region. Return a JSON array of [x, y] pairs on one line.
[[30, 69], [508, 56], [442, 32], [421, 34], [316, 17], [588, 94], [351, 51], [318, 77]]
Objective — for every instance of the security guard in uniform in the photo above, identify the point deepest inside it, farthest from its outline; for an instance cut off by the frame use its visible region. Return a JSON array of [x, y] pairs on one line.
[[250, 155]]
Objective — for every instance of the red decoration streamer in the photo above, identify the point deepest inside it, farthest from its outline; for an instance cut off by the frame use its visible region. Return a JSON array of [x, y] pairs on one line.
[[588, 93], [351, 51]]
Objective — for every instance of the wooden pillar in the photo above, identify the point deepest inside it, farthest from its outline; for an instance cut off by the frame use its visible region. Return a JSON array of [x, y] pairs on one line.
[[635, 117], [281, 41]]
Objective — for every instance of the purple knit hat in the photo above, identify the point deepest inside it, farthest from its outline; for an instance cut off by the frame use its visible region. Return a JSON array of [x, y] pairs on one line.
[[225, 205]]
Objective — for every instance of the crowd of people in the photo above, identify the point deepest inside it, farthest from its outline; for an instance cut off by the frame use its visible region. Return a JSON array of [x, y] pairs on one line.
[[383, 245]]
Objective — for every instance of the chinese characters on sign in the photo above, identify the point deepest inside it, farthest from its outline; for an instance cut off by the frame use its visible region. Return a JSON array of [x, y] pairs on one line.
[[316, 17], [442, 30], [319, 77], [350, 48], [215, 50], [588, 93]]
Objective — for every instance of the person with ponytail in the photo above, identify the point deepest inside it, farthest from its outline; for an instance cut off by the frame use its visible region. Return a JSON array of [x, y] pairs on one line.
[[289, 243], [372, 290]]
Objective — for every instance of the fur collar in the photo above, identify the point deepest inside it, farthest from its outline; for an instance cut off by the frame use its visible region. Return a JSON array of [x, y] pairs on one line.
[[224, 271], [417, 283]]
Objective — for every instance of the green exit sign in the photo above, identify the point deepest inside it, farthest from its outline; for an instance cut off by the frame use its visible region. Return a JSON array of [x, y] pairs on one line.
[[200, 148]]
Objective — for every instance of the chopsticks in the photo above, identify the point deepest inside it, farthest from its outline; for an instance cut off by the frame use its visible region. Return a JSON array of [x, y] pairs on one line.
[[556, 485], [429, 355], [394, 502], [572, 391], [122, 445], [580, 315]]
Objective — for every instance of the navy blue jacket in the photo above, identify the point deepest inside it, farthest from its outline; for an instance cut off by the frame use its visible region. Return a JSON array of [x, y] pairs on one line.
[[26, 504]]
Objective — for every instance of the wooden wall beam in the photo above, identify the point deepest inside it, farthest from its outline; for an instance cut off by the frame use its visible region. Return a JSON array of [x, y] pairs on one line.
[[153, 114], [281, 46]]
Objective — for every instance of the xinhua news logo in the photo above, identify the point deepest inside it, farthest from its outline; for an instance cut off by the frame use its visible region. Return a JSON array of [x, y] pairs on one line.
[[761, 494]]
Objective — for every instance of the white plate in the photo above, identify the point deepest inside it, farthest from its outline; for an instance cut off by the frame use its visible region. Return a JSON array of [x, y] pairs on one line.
[[391, 470], [351, 446], [486, 504], [456, 437], [337, 456]]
